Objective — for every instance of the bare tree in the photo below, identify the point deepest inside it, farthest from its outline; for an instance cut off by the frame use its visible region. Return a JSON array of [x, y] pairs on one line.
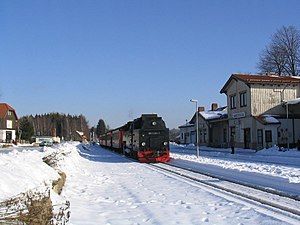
[[282, 55], [272, 60]]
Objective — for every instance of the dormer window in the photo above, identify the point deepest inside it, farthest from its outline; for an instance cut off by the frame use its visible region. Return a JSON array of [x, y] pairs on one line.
[[233, 101]]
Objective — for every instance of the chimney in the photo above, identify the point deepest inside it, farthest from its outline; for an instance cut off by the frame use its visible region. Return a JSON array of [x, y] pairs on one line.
[[271, 74], [201, 109], [214, 106]]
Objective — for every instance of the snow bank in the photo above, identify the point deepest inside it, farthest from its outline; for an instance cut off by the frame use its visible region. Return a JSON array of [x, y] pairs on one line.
[[23, 169]]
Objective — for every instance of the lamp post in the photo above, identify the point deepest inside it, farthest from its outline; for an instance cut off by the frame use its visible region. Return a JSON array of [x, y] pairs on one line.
[[197, 130], [287, 118]]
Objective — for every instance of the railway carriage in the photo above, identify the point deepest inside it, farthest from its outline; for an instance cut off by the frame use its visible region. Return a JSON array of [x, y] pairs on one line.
[[145, 138]]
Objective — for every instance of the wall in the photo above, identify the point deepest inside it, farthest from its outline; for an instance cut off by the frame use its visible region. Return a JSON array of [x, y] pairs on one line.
[[291, 127], [236, 87], [3, 135], [267, 97], [185, 134], [217, 134]]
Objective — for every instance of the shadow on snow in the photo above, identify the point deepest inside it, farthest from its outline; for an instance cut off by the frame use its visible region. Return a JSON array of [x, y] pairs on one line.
[[98, 154]]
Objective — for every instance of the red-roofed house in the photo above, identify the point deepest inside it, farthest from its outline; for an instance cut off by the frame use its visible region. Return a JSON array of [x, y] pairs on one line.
[[8, 123], [256, 109]]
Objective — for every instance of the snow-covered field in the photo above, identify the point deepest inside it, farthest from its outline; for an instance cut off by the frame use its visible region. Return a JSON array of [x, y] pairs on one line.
[[105, 188]]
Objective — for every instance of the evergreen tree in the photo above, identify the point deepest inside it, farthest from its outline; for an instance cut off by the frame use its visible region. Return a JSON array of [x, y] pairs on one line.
[[58, 124], [26, 129], [101, 128]]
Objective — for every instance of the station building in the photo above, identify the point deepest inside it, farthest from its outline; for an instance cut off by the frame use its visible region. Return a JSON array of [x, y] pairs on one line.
[[262, 111], [212, 125]]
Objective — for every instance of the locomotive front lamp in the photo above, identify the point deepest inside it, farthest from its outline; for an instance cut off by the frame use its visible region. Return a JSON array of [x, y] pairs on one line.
[[197, 130]]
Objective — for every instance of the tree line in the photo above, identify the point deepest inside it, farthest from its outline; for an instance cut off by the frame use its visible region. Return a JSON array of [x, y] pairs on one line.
[[53, 124]]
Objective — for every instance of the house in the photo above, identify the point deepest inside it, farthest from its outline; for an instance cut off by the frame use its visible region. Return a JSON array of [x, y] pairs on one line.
[[212, 127], [8, 123], [257, 109], [187, 133]]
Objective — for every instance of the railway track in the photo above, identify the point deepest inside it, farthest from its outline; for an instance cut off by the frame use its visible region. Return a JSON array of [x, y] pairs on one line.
[[284, 208], [275, 204]]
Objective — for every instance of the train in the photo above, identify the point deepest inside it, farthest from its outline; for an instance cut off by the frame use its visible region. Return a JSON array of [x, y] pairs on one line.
[[145, 138]]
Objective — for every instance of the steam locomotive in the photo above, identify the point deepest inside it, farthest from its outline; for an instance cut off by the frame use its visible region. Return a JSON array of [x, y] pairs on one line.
[[145, 138]]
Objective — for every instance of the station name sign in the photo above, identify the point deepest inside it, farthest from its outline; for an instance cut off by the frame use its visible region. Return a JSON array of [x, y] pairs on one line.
[[238, 115]]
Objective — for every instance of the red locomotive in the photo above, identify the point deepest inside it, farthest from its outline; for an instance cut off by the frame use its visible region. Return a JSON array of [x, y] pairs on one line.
[[145, 138]]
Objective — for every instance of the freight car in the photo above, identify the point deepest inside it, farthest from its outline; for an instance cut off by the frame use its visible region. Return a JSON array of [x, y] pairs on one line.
[[145, 138]]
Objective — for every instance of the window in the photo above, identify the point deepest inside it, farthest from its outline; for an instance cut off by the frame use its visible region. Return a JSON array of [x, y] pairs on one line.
[[268, 134], [9, 124], [9, 112], [204, 135], [259, 136], [233, 101], [243, 99]]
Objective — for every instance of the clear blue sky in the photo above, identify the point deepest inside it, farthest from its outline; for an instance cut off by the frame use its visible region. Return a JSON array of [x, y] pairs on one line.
[[118, 59]]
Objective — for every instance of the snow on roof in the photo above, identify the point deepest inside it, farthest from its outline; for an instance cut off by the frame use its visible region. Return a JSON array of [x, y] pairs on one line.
[[270, 119], [293, 101], [219, 113], [186, 125], [267, 119], [216, 114]]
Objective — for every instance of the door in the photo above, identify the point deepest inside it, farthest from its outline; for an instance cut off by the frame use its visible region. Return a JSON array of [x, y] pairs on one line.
[[260, 139], [8, 136], [247, 138], [268, 138]]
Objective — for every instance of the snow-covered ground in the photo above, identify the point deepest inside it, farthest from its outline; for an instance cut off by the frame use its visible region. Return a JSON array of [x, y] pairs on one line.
[[22, 169], [268, 168], [105, 188]]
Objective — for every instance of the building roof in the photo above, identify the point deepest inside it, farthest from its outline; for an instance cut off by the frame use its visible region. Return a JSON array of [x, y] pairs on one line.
[[267, 119], [295, 101], [186, 125], [261, 79], [209, 115], [4, 107]]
